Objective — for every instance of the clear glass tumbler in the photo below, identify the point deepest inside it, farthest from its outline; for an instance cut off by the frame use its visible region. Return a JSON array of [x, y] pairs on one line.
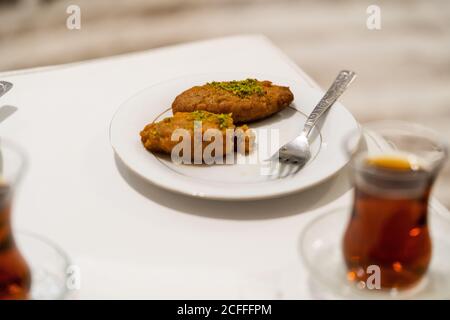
[[394, 165], [15, 275]]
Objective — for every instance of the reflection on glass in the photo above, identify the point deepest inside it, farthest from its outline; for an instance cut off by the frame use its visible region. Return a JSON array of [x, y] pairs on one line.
[[15, 276], [388, 228]]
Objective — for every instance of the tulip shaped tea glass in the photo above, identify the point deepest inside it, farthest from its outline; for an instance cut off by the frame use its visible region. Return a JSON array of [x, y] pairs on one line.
[[31, 266], [15, 275], [394, 165]]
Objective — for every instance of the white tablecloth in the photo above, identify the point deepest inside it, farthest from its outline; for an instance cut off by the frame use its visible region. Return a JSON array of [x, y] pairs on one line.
[[131, 239]]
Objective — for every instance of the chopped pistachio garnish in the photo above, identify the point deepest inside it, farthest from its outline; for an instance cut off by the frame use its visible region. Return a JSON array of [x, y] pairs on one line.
[[200, 115], [242, 88], [224, 120]]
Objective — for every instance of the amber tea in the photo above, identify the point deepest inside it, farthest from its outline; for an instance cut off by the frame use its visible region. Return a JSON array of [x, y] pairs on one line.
[[388, 226], [15, 278]]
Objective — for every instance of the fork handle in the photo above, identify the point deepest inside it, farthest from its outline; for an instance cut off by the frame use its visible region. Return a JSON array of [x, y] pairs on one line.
[[339, 85], [5, 87]]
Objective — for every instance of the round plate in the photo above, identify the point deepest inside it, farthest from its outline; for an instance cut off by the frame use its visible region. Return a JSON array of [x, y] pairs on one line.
[[320, 249], [240, 181]]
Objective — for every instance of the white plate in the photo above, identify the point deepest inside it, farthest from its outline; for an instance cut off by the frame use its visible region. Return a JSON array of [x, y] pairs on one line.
[[238, 181]]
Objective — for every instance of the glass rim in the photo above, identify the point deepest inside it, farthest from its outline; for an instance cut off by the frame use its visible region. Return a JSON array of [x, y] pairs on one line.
[[12, 146], [359, 134]]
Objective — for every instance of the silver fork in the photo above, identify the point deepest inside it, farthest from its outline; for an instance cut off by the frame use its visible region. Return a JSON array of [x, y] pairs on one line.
[[6, 111], [298, 150], [5, 87]]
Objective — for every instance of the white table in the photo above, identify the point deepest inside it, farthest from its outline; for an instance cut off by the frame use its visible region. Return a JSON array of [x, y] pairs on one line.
[[131, 239]]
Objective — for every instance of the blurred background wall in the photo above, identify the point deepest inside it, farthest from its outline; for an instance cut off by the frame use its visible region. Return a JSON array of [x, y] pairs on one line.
[[404, 68]]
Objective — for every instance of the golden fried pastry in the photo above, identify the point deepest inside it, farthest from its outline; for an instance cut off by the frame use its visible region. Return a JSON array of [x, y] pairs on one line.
[[163, 136], [246, 100]]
